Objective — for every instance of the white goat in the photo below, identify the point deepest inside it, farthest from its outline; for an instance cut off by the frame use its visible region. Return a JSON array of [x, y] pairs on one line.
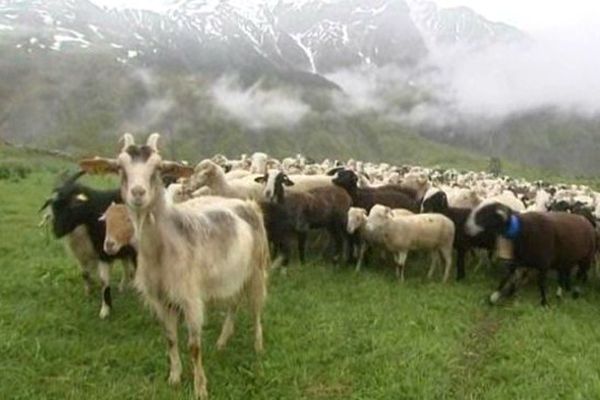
[[189, 253]]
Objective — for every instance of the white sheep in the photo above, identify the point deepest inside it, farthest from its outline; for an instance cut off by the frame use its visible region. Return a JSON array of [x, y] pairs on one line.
[[401, 234]]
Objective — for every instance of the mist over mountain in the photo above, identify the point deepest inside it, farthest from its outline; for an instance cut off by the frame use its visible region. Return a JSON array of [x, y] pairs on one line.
[[234, 76]]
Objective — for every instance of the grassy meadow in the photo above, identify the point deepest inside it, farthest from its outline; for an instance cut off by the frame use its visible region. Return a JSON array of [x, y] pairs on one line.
[[329, 333]]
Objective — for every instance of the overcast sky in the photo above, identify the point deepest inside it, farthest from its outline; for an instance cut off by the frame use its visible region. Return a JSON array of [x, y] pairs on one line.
[[530, 15]]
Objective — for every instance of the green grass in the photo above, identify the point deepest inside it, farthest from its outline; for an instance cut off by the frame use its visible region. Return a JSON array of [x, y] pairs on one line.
[[329, 333]]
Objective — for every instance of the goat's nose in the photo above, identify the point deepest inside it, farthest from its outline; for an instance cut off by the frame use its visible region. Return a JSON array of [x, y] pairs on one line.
[[138, 191], [109, 245]]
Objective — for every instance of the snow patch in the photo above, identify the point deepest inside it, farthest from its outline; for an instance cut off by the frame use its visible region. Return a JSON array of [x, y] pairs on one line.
[[311, 59], [96, 30], [69, 36]]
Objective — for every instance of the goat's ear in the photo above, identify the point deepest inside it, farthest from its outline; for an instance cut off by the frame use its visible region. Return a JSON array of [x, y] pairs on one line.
[[176, 169], [98, 165], [46, 204], [260, 179], [102, 217], [82, 197]]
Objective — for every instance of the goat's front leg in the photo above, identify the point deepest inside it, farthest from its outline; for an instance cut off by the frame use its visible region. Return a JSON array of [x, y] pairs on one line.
[[86, 267], [169, 317], [128, 273], [104, 273], [194, 317]]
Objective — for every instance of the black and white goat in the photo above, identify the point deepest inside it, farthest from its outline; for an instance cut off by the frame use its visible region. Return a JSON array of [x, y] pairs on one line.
[[76, 211]]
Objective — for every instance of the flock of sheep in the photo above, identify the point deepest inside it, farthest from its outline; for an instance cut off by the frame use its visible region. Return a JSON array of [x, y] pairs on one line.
[[188, 236]]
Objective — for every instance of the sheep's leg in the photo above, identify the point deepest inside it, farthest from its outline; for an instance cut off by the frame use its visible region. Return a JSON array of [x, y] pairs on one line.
[[564, 282], [507, 286], [104, 273], [194, 317], [169, 317], [338, 243], [446, 256], [361, 254], [460, 264], [542, 285], [582, 276], [228, 327], [434, 261], [351, 243], [257, 294], [400, 265], [302, 246]]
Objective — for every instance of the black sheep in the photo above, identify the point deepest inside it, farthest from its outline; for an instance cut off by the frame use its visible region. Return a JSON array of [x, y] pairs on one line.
[[368, 197], [437, 202], [76, 210], [294, 213], [389, 195], [542, 240]]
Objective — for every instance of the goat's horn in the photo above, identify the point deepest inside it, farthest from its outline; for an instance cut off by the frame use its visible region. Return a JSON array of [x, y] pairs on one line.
[[152, 141], [127, 140]]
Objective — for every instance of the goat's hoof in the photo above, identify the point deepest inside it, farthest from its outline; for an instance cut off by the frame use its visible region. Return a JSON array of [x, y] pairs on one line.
[[221, 344], [104, 312], [174, 379], [201, 393], [576, 293], [494, 297]]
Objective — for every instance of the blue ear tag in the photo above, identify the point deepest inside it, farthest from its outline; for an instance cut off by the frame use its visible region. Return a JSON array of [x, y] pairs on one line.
[[514, 228]]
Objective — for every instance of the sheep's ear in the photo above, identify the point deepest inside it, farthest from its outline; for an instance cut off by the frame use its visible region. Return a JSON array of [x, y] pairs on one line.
[[99, 165], [334, 171], [176, 169], [287, 181], [502, 212], [388, 212]]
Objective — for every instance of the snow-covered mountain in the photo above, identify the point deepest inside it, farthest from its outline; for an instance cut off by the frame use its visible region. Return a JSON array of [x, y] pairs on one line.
[[459, 26], [299, 40]]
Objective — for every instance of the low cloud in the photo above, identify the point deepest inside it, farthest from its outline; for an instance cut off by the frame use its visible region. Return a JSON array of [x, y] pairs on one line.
[[259, 108]]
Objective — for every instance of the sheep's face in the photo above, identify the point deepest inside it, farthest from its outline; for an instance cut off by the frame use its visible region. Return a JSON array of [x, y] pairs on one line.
[[379, 212], [203, 174], [490, 218], [346, 179], [357, 217], [434, 201], [274, 185]]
